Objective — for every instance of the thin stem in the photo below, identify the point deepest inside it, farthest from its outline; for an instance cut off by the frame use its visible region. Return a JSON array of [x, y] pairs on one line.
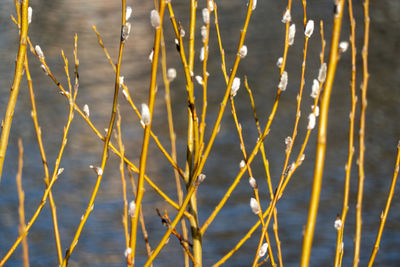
[[385, 213], [44, 161], [21, 209], [361, 137]]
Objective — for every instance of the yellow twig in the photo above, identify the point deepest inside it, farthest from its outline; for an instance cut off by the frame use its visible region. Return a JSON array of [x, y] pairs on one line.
[[6, 126], [44, 160], [385, 213], [321, 147], [145, 143], [172, 136], [361, 137]]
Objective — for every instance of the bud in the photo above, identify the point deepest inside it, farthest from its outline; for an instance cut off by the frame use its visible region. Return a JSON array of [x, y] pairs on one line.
[[151, 55], [199, 79], [39, 52], [132, 209], [86, 110], [263, 250], [338, 224], [286, 16], [309, 28], [243, 51], [316, 111], [128, 12], [155, 19], [288, 143], [242, 164], [311, 121], [315, 89], [97, 169], [254, 206], [128, 252], [44, 69], [201, 178], [343, 46], [279, 62], [206, 15], [121, 81], [292, 33], [210, 5], [283, 82], [254, 5], [145, 115], [126, 29], [322, 73], [252, 182], [30, 15], [235, 86], [204, 33], [202, 52], [171, 74], [60, 170]]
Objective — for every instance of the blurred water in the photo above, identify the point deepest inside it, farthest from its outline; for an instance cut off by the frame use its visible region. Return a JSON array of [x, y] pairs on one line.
[[102, 242]]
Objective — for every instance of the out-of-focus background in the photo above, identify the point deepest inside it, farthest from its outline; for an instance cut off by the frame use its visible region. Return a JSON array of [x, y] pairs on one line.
[[102, 242]]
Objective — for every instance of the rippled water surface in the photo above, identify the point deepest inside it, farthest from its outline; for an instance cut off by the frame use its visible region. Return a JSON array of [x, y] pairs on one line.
[[102, 242]]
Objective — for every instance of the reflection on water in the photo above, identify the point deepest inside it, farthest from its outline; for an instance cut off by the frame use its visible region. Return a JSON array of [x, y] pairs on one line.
[[102, 242]]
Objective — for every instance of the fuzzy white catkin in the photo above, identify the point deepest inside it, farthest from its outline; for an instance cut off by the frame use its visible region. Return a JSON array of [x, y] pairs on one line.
[[39, 52], [151, 56], [127, 252], [283, 82], [254, 5], [210, 5], [315, 89], [254, 206], [132, 209], [242, 164], [338, 224], [155, 19], [145, 114], [121, 81], [235, 86], [316, 110], [322, 73], [309, 28], [202, 52], [30, 15], [263, 250], [252, 182], [206, 15], [286, 16], [311, 121], [201, 178], [171, 74], [128, 12], [86, 110], [243, 51], [279, 62], [343, 46], [292, 33], [199, 79], [203, 33], [126, 29]]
